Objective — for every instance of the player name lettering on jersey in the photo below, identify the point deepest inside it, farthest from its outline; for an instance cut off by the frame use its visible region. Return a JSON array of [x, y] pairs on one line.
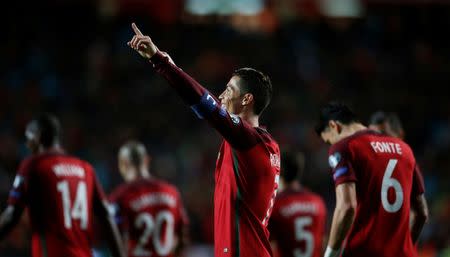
[[275, 160], [294, 208], [68, 170], [386, 147], [153, 199]]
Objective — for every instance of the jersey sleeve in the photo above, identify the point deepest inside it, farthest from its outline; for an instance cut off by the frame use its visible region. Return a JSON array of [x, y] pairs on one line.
[[117, 210], [18, 195], [418, 186], [237, 132], [340, 161]]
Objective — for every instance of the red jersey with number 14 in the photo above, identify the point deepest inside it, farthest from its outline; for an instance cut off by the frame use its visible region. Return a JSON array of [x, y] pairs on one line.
[[298, 223], [61, 192], [386, 176]]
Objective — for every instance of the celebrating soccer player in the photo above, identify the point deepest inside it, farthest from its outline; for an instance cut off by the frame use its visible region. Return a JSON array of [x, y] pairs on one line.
[[149, 211], [297, 225], [61, 193], [376, 186], [248, 165]]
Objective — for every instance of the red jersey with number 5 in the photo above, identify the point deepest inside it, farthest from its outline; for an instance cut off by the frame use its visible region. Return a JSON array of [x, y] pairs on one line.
[[60, 192], [298, 223], [386, 176], [151, 215]]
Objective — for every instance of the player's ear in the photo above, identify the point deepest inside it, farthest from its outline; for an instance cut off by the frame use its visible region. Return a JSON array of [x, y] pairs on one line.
[[247, 99], [332, 125], [147, 160]]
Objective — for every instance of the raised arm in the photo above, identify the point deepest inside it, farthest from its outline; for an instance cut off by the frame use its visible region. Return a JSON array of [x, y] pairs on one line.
[[239, 133]]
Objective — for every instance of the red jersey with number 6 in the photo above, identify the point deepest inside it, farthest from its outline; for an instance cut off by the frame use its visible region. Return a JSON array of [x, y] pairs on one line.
[[151, 215], [386, 176], [298, 223], [61, 192]]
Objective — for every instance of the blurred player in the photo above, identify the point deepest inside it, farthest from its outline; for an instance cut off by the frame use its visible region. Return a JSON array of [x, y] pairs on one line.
[[248, 165], [390, 124], [62, 195], [297, 225], [376, 185], [149, 212], [387, 123]]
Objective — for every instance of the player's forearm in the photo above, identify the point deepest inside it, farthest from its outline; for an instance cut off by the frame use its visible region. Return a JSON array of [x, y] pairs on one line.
[[420, 215], [189, 89], [9, 218], [342, 221], [417, 226], [114, 239]]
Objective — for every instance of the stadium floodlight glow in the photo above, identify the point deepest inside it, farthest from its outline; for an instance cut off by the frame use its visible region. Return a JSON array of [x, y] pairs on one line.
[[224, 7]]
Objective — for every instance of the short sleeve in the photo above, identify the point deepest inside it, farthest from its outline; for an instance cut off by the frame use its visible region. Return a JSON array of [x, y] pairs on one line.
[[418, 186], [117, 210], [340, 161], [18, 195]]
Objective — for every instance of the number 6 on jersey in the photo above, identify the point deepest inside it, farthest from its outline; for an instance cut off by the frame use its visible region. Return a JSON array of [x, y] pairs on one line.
[[390, 182]]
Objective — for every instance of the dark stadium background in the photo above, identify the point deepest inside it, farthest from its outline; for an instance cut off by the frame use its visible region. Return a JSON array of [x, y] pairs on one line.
[[70, 58]]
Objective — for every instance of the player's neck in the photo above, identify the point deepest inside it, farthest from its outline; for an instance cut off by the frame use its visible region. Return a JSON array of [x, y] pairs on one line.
[[250, 118], [352, 129], [54, 148], [294, 186]]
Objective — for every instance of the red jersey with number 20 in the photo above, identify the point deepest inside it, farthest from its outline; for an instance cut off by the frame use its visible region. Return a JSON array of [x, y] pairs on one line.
[[61, 192], [247, 170], [298, 223], [386, 176], [151, 214]]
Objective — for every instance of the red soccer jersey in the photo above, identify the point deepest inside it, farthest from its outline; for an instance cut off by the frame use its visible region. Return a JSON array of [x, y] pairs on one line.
[[384, 171], [298, 223], [247, 170], [151, 214], [61, 192]]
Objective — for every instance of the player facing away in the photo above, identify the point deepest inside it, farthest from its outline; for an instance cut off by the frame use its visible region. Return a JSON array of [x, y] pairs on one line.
[[390, 124], [297, 225], [62, 195], [248, 165], [387, 123], [149, 211], [376, 186]]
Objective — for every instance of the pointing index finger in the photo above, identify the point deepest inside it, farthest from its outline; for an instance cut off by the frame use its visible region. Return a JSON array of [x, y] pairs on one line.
[[136, 30]]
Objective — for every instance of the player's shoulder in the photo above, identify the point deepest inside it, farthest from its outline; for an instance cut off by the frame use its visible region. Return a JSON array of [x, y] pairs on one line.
[[28, 161], [118, 192], [166, 186]]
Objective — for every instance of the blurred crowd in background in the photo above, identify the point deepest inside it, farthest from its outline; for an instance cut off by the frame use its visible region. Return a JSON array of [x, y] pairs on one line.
[[70, 58]]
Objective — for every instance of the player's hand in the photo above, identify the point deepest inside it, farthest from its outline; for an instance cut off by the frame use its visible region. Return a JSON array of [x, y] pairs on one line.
[[142, 44]]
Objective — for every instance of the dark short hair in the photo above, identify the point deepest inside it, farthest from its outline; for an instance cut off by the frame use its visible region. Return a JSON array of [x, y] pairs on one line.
[[135, 151], [334, 111], [258, 84], [49, 129], [291, 167], [392, 118]]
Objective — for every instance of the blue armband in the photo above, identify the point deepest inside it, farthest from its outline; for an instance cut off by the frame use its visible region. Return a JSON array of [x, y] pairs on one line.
[[206, 106]]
